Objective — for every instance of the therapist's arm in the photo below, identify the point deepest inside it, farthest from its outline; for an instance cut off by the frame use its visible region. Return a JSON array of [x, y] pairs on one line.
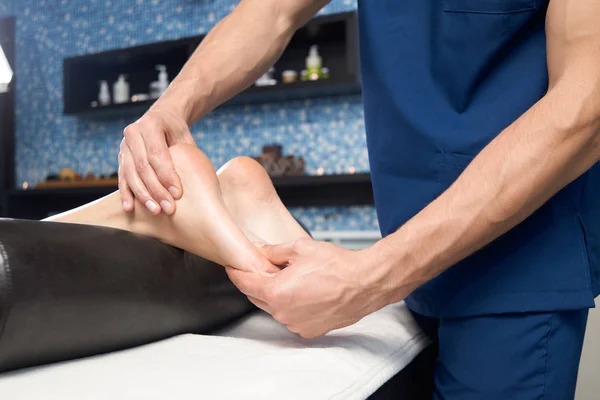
[[231, 57], [236, 52], [548, 147], [325, 286]]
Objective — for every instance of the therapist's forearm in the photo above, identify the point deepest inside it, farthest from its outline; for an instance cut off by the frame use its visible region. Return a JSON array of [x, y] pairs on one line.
[[551, 145], [234, 54]]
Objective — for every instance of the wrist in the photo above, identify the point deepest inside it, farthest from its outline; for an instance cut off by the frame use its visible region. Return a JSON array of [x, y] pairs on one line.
[[393, 271], [179, 101], [376, 271]]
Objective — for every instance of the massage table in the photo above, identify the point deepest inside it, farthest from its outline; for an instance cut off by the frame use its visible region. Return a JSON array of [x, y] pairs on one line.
[[95, 313]]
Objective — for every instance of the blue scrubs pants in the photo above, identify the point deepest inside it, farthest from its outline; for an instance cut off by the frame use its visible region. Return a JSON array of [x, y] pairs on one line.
[[507, 356]]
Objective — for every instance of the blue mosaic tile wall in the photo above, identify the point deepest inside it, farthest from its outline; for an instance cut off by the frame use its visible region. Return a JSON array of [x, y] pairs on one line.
[[327, 132]]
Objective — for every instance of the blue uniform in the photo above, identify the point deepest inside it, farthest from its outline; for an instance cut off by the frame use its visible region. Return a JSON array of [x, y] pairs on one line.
[[441, 79]]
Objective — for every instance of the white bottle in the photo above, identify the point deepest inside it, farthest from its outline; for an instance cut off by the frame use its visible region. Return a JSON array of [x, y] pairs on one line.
[[160, 86], [104, 95], [314, 62], [121, 91], [266, 79]]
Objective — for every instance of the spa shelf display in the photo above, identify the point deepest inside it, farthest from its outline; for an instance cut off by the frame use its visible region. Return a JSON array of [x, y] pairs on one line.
[[295, 191], [334, 35]]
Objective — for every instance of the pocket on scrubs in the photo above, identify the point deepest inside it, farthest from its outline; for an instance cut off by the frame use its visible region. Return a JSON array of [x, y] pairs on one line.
[[451, 165], [488, 6], [473, 39]]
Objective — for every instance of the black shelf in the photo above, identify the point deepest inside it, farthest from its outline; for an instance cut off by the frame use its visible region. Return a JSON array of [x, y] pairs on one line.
[[253, 95], [325, 190], [336, 36], [295, 191]]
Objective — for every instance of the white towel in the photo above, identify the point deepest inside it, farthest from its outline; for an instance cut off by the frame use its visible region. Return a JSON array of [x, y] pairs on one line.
[[256, 358]]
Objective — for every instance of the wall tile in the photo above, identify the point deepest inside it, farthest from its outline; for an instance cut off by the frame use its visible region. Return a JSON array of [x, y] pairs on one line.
[[327, 132]]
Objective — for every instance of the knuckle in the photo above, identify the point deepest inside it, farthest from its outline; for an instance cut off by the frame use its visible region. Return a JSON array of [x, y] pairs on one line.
[[126, 170], [141, 164], [155, 151], [156, 190], [279, 295], [273, 294], [122, 155], [307, 335], [129, 131], [267, 294], [280, 317], [141, 195], [122, 179], [291, 328]]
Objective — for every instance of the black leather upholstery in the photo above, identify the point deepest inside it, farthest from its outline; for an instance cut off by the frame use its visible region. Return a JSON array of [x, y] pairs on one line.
[[69, 291]]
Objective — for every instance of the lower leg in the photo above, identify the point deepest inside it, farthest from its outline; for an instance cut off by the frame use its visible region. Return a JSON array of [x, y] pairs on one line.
[[107, 212], [202, 224]]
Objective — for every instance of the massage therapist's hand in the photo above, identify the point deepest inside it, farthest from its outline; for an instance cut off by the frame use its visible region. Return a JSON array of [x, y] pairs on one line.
[[145, 167], [323, 287]]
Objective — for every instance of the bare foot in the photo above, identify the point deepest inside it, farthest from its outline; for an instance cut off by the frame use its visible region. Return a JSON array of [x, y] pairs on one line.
[[202, 223], [253, 203]]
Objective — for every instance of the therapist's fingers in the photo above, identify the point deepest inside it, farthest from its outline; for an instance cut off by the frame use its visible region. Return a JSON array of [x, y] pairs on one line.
[[251, 284], [125, 161], [159, 158], [143, 180]]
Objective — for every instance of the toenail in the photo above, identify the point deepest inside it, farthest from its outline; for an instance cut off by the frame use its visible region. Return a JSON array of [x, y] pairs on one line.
[[152, 206], [166, 206], [174, 192]]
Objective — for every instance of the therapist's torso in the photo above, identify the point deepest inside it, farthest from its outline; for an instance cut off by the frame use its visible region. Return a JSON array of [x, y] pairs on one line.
[[442, 78]]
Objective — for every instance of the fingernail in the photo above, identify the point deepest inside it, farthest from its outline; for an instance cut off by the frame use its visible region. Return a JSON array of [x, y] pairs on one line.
[[166, 206], [126, 205], [152, 206], [174, 192]]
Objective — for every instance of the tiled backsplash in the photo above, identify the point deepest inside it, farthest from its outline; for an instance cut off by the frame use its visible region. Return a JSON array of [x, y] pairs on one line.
[[327, 132]]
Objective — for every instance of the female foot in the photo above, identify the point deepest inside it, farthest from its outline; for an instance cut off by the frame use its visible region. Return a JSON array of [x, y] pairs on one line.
[[254, 205], [202, 224]]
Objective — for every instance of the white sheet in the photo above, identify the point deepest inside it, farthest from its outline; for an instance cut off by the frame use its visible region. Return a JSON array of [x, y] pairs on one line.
[[256, 358]]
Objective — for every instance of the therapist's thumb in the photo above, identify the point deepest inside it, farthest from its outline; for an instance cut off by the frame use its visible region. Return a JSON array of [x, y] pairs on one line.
[[283, 254], [280, 254]]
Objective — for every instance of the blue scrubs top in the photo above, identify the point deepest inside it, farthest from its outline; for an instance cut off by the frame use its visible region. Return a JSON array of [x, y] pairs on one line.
[[442, 78]]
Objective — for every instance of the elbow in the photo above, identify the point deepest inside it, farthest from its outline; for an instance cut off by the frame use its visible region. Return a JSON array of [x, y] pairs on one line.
[[596, 146], [589, 126], [591, 119], [284, 22], [593, 127], [596, 135], [292, 15], [577, 114]]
